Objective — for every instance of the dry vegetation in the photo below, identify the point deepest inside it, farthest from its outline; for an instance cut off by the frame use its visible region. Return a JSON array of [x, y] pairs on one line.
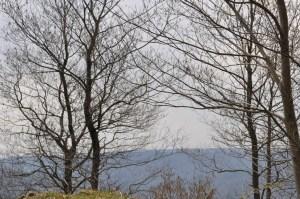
[[174, 187], [86, 194]]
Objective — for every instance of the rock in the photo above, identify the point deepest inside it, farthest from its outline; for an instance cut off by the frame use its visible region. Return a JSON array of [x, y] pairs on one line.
[[22, 197], [28, 195]]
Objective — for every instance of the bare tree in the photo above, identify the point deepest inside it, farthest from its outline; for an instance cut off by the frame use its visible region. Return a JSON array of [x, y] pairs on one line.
[[37, 86], [72, 74], [115, 92], [208, 38]]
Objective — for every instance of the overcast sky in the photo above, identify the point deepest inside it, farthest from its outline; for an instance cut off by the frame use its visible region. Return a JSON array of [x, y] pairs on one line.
[[192, 125], [188, 123]]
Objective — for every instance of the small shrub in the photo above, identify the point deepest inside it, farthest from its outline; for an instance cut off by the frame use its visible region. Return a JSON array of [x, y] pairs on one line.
[[174, 187]]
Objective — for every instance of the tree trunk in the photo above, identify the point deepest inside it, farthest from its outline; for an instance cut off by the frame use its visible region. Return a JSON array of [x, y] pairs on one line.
[[68, 172], [295, 152], [250, 125], [252, 133], [269, 159], [94, 181], [255, 172], [94, 178], [269, 144], [286, 93]]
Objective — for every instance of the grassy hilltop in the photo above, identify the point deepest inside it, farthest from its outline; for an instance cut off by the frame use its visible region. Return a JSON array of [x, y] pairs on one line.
[[86, 194]]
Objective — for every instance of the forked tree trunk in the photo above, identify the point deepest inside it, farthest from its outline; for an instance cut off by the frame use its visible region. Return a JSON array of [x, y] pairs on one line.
[[94, 177]]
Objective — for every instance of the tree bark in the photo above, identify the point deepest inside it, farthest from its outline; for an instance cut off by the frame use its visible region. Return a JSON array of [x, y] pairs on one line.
[[287, 96], [250, 125], [68, 172], [94, 181], [94, 178], [252, 133], [269, 159], [269, 145]]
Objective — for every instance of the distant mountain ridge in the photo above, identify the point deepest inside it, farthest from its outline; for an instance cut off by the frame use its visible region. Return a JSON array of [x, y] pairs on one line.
[[190, 165]]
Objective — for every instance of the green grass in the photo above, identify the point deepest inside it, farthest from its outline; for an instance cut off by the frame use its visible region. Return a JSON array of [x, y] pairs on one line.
[[85, 194]]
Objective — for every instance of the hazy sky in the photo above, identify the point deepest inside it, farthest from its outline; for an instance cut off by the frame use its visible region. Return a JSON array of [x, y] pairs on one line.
[[188, 123], [191, 124]]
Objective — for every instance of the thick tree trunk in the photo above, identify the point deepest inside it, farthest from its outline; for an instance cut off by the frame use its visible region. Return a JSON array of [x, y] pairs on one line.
[[68, 172], [287, 96], [94, 181], [292, 130]]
